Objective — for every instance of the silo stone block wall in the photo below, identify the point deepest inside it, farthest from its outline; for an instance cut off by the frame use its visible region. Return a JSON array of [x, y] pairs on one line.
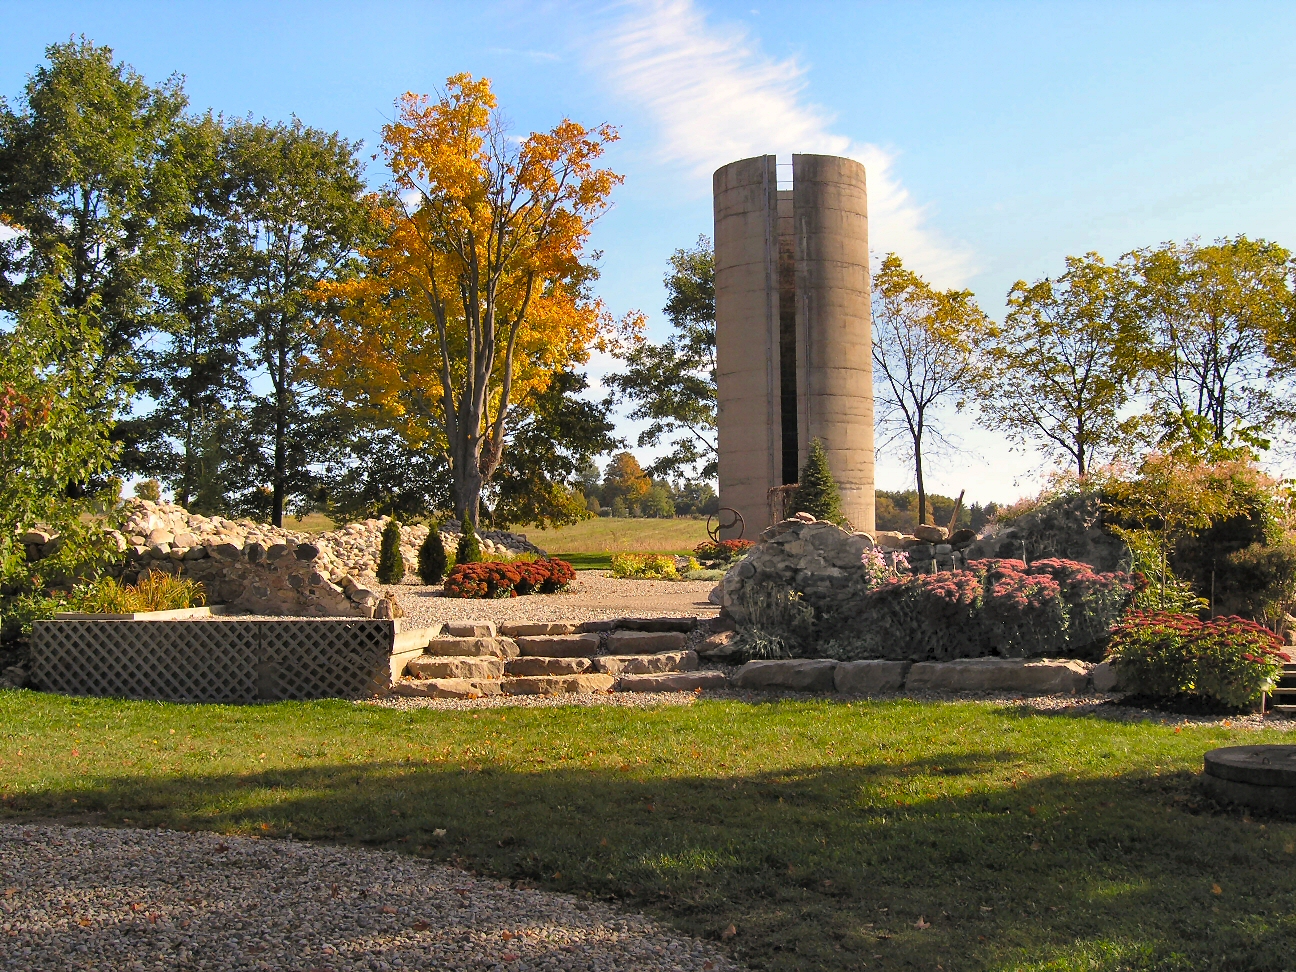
[[793, 331]]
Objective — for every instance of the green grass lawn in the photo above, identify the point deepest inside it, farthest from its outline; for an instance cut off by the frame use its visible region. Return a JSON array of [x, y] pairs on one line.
[[879, 835]]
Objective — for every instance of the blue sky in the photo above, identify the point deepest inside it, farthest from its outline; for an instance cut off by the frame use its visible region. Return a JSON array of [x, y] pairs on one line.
[[999, 137]]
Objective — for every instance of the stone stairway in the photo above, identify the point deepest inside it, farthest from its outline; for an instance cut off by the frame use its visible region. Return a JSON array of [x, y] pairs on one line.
[[1283, 697], [476, 659]]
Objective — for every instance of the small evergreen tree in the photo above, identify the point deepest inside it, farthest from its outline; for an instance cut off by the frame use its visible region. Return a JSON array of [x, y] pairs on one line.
[[391, 565], [469, 551], [817, 493], [432, 557]]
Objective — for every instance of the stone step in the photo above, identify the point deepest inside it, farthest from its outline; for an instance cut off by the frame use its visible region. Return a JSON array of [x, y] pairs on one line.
[[666, 661], [684, 625], [471, 629], [455, 666], [644, 642], [523, 629], [408, 639], [446, 688], [559, 646], [476, 647], [557, 684], [673, 682], [538, 665]]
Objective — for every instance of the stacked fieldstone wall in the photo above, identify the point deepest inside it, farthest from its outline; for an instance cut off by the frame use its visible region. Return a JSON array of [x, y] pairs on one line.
[[263, 569]]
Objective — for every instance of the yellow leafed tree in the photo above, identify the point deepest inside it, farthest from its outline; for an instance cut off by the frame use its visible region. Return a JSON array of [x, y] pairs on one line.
[[478, 294]]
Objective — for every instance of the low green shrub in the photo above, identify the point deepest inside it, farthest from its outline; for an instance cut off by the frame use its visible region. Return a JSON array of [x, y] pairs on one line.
[[644, 566], [432, 557], [725, 551], [469, 550], [391, 565], [497, 579], [1225, 660]]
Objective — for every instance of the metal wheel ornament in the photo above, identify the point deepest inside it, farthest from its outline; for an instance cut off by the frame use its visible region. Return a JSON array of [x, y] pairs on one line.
[[735, 520]]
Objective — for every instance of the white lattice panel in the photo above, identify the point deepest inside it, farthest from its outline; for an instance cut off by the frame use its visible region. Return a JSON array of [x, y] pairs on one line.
[[214, 661]]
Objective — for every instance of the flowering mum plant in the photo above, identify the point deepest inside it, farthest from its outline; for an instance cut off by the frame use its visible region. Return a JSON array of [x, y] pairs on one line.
[[1228, 660], [491, 579]]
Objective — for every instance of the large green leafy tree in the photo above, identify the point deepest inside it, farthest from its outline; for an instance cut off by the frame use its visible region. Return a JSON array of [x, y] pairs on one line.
[[553, 443], [56, 407], [924, 358], [1213, 313], [193, 373], [672, 385], [299, 212], [1065, 363], [89, 179]]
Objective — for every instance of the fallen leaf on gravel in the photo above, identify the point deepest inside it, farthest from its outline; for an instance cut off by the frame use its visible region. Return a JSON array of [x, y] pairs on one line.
[[728, 933], [421, 925], [84, 922], [222, 847], [708, 964], [1216, 889], [388, 910], [10, 892], [506, 935], [509, 957], [922, 923]]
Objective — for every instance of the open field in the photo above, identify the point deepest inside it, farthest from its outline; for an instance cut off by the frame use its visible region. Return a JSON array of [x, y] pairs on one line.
[[881, 835], [608, 535], [310, 523]]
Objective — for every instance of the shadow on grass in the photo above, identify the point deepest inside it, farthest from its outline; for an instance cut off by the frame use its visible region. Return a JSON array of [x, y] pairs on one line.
[[919, 864]]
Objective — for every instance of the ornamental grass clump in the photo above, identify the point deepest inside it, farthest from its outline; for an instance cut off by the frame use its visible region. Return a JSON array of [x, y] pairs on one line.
[[1227, 661], [153, 591], [774, 622]]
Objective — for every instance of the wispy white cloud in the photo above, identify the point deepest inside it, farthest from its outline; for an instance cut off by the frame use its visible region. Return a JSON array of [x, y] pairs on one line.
[[715, 96]]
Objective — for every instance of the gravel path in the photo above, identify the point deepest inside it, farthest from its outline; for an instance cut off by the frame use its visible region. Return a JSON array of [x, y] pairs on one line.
[[107, 899], [594, 597]]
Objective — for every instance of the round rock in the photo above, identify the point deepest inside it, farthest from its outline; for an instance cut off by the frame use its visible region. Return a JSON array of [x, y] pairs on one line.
[[1263, 777]]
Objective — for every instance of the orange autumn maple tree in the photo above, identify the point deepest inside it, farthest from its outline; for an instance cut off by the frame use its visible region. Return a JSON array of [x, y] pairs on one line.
[[478, 294]]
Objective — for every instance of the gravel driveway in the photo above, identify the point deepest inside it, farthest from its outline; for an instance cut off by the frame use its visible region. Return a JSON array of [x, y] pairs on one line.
[[108, 899], [594, 597]]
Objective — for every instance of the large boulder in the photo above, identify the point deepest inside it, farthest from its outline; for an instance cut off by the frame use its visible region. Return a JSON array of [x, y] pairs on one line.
[[1066, 528], [1045, 676]]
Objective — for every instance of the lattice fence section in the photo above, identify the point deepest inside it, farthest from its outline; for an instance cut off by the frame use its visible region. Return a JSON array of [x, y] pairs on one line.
[[325, 659], [179, 661], [214, 661]]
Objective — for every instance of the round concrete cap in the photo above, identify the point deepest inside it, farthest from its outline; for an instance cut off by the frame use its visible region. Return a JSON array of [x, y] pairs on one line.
[[1257, 765]]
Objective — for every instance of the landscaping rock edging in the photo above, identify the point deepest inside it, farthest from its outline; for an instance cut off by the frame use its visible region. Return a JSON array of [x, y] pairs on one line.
[[1027, 676]]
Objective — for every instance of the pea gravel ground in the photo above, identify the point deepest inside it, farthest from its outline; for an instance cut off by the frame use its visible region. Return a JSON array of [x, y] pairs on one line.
[[108, 899], [593, 596]]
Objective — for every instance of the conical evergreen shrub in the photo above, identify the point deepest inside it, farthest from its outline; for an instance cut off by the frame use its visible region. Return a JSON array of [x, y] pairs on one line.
[[469, 551], [391, 565], [817, 491], [432, 557]]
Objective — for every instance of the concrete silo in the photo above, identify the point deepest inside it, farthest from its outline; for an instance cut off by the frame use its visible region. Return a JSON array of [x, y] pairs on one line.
[[793, 331]]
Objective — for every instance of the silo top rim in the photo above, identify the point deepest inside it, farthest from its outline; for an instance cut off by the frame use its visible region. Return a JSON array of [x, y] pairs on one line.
[[795, 156]]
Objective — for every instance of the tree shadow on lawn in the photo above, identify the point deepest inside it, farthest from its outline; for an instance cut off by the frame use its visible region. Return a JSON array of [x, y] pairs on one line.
[[920, 864]]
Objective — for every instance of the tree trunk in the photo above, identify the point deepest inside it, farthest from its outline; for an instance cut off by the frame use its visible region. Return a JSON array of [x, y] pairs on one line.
[[281, 434], [918, 475]]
